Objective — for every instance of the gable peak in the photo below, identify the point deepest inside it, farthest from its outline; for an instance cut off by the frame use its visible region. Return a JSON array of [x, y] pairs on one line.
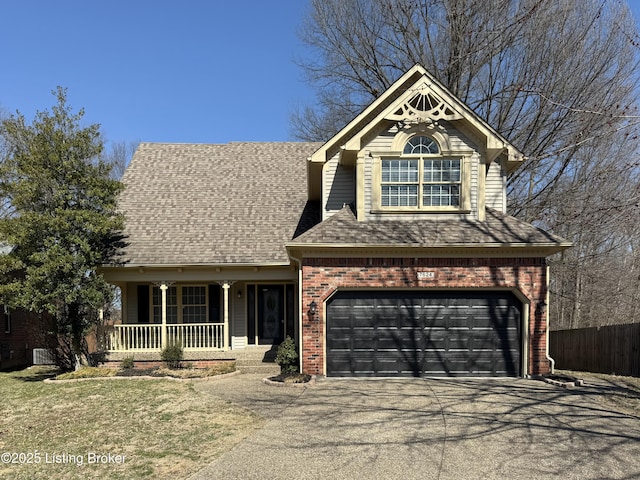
[[421, 104]]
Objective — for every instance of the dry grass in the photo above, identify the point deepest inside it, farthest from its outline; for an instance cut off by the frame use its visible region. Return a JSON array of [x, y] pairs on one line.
[[164, 429], [624, 394], [198, 372], [618, 392], [88, 372], [184, 373]]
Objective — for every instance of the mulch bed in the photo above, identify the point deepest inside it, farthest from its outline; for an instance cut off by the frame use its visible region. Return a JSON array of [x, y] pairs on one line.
[[291, 378]]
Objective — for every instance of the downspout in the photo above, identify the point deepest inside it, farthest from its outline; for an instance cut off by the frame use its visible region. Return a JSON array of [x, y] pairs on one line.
[[299, 262], [551, 360]]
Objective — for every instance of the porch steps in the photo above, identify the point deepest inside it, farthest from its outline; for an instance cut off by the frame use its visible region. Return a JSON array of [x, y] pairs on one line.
[[258, 359]]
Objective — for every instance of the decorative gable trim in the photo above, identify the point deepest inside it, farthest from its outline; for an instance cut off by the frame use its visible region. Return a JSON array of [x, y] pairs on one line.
[[423, 106], [418, 98]]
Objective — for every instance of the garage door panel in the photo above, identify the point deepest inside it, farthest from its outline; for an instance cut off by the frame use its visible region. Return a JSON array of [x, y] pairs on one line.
[[412, 333]]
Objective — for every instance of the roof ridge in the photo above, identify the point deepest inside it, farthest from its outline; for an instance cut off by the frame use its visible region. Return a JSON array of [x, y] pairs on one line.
[[232, 142]]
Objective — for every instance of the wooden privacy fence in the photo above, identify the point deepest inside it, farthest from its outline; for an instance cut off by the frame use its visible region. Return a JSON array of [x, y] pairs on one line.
[[614, 349]]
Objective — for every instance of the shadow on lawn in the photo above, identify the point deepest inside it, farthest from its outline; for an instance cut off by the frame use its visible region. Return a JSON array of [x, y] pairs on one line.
[[35, 374]]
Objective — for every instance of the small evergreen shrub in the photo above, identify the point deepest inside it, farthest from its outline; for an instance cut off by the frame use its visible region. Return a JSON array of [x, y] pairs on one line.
[[287, 357], [172, 355], [127, 363]]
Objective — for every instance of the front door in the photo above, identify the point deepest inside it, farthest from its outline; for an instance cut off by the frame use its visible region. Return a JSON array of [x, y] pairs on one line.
[[271, 314]]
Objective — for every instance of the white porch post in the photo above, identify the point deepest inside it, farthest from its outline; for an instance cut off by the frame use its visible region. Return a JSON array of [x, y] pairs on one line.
[[163, 334], [225, 288]]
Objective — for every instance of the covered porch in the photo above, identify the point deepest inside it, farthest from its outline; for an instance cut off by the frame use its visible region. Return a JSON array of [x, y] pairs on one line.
[[201, 311]]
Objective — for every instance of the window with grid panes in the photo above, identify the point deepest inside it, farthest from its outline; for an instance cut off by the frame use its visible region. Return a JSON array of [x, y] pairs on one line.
[[194, 304], [172, 305], [420, 181]]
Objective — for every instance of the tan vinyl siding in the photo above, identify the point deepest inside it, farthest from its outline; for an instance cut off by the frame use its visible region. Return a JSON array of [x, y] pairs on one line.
[[382, 142], [338, 186], [382, 145], [473, 164], [495, 188]]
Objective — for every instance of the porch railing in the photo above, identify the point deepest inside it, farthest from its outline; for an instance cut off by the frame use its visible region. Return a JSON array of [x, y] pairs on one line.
[[192, 336], [197, 336]]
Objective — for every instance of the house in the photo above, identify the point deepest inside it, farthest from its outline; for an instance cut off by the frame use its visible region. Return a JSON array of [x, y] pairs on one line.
[[385, 251], [21, 332], [18, 337]]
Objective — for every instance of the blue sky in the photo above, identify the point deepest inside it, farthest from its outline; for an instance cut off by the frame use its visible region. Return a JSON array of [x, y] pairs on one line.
[[189, 71], [193, 71]]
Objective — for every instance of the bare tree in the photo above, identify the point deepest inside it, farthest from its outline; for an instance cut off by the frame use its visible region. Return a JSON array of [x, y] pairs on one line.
[[596, 282], [558, 78], [119, 155]]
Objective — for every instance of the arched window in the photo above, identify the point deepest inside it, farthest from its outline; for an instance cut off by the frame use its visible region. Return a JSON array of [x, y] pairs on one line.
[[421, 178], [421, 145]]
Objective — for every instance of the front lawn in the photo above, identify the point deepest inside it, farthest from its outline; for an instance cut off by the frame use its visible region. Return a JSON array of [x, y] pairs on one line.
[[615, 392], [126, 429]]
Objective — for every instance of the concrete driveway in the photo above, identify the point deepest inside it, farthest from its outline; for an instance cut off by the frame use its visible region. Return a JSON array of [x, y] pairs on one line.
[[427, 429]]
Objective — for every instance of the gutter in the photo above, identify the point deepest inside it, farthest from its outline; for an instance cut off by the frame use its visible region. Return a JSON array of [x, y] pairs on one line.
[[195, 265], [326, 250], [545, 246]]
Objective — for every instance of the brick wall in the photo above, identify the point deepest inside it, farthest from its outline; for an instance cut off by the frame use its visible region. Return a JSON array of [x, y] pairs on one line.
[[323, 276], [19, 339], [146, 364]]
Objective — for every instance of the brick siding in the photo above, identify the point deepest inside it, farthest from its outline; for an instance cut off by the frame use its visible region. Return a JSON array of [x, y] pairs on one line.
[[324, 276], [16, 345], [146, 364]]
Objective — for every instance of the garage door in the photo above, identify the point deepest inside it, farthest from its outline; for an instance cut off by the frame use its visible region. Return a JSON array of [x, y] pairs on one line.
[[423, 333]]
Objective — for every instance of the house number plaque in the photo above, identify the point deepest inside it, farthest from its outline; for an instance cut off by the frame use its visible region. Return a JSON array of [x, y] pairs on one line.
[[426, 275]]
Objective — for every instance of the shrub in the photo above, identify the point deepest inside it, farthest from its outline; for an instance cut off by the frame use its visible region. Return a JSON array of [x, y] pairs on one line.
[[127, 363], [172, 355], [287, 357]]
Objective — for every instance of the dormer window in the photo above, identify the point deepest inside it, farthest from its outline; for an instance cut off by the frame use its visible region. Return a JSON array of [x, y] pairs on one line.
[[421, 144], [421, 178]]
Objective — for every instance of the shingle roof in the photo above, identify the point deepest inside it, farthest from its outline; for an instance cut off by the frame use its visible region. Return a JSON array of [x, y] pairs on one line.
[[214, 204], [498, 229]]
